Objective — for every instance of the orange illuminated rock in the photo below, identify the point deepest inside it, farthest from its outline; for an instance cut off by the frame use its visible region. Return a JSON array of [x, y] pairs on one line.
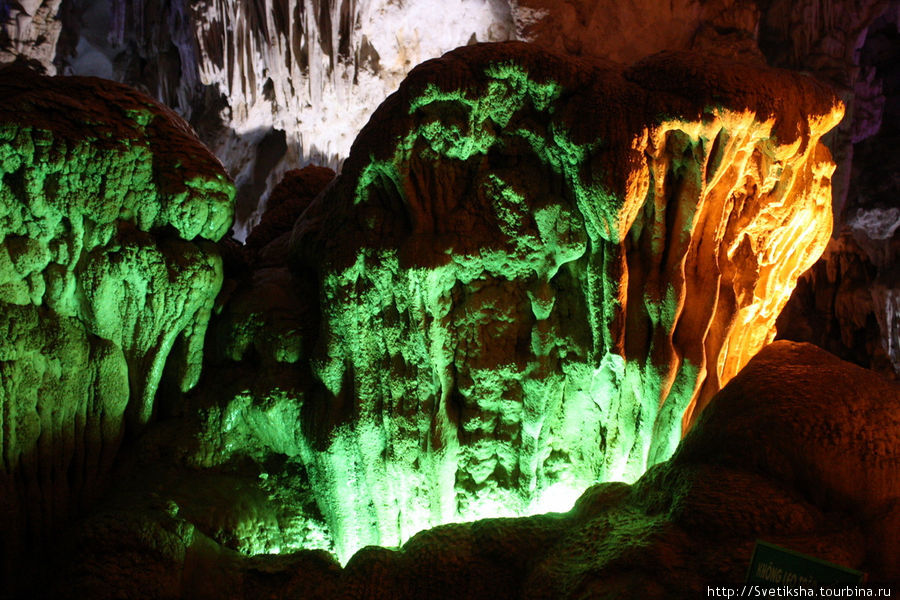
[[534, 272]]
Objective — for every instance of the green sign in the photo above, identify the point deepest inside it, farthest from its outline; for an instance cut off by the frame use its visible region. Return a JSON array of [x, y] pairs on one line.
[[773, 564]]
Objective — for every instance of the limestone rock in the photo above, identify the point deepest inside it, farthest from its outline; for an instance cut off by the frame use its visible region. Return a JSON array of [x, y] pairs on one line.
[[267, 314], [836, 306], [458, 336], [533, 272], [262, 83], [233, 457], [826, 37], [581, 27], [276, 84], [819, 35], [800, 449], [849, 303], [107, 282], [30, 29], [297, 189]]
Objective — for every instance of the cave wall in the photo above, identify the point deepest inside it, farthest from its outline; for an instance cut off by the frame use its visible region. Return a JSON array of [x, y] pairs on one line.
[[821, 483], [498, 269], [307, 73], [30, 29], [221, 81], [277, 85], [848, 302]]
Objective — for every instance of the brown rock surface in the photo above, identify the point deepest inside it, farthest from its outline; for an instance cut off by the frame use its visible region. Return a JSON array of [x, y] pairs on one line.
[[287, 201], [644, 27], [509, 289], [270, 325], [849, 302], [800, 449], [836, 306]]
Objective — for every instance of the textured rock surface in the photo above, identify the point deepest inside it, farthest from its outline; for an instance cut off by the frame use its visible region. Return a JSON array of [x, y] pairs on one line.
[[848, 43], [243, 71], [266, 321], [837, 306], [800, 449], [849, 303], [230, 464], [274, 85], [30, 29], [106, 283], [287, 201], [581, 27], [502, 332], [857, 281], [532, 269]]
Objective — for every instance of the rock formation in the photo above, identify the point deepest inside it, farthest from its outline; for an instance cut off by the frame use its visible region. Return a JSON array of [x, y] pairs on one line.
[[800, 449], [506, 296], [850, 44], [276, 84], [837, 304], [106, 284], [850, 301], [288, 200], [273, 86], [580, 28], [534, 272], [30, 29]]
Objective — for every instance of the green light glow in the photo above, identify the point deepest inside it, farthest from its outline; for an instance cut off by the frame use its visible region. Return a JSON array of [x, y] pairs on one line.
[[559, 497], [107, 282], [483, 380], [63, 206]]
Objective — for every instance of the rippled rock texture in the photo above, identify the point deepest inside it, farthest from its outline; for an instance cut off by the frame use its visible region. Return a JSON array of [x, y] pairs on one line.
[[849, 303], [107, 280], [274, 84], [269, 85], [30, 29]]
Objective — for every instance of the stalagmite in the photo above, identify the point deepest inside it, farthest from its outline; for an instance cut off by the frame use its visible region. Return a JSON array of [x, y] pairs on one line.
[[534, 272]]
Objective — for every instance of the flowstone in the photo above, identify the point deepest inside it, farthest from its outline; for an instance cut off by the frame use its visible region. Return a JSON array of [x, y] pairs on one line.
[[534, 272], [108, 203]]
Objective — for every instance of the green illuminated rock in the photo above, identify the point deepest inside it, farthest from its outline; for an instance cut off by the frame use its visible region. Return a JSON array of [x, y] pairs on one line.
[[244, 421], [800, 449], [108, 208], [533, 272]]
